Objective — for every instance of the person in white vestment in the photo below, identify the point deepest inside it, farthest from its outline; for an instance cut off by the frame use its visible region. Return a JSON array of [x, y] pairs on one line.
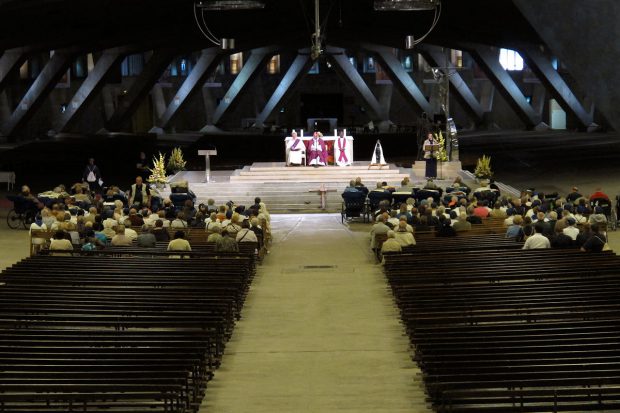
[[377, 155], [343, 155], [295, 150]]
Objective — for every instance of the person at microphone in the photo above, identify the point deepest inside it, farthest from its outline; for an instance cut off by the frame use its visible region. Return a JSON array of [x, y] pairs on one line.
[[431, 147]]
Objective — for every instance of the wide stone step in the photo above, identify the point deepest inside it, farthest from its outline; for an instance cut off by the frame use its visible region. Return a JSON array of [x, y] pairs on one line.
[[319, 179]]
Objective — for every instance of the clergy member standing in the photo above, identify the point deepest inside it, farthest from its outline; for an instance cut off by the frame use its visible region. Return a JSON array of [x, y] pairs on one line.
[[342, 152], [430, 155], [295, 149], [317, 151]]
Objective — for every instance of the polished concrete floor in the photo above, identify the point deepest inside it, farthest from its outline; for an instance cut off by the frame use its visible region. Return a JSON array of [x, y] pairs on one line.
[[320, 332]]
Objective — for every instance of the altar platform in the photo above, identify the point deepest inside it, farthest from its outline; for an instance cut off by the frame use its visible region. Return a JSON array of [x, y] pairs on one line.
[[293, 189]]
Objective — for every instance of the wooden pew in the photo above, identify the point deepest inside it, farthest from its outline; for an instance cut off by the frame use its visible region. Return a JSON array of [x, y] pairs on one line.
[[507, 330]]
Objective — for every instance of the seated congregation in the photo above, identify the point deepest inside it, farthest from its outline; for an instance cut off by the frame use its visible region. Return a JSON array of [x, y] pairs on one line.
[[87, 221], [400, 216]]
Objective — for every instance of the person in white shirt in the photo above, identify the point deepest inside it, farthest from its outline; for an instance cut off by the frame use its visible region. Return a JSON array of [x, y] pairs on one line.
[[246, 234], [60, 242], [130, 232], [391, 244], [537, 240], [404, 237], [179, 222], [212, 222], [571, 230], [393, 219]]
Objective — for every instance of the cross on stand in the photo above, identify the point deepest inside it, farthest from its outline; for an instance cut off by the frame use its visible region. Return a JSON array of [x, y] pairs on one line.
[[323, 193]]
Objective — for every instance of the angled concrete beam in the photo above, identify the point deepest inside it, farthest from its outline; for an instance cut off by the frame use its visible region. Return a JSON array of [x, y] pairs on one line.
[[402, 80], [351, 76], [90, 87], [204, 67], [488, 60], [140, 88], [55, 68], [459, 89], [295, 73], [11, 59], [250, 69], [544, 70]]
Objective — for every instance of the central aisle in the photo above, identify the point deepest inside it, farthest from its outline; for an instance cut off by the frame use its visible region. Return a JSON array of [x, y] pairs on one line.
[[319, 331]]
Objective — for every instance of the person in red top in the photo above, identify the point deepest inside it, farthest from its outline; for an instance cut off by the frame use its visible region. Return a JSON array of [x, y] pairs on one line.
[[599, 194], [481, 210]]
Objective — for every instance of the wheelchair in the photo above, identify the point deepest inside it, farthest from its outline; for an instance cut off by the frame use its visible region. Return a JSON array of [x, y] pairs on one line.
[[608, 210], [354, 205], [23, 212]]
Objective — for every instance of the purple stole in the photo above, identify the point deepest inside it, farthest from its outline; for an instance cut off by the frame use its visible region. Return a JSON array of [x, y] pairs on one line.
[[342, 144], [294, 145]]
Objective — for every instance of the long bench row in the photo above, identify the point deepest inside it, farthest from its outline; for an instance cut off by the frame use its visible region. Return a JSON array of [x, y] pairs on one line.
[[110, 334], [504, 330]]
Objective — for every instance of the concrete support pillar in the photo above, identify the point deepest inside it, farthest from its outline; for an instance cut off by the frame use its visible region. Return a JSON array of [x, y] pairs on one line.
[[350, 75], [53, 71], [140, 88]]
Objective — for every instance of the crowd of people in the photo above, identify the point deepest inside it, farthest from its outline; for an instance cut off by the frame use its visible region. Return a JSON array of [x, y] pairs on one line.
[[83, 218], [537, 219]]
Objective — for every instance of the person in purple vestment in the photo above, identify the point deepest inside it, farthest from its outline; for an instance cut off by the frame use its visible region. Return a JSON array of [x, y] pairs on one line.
[[317, 150]]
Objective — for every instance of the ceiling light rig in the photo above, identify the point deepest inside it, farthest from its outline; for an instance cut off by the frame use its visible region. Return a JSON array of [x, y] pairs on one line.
[[202, 6], [412, 5]]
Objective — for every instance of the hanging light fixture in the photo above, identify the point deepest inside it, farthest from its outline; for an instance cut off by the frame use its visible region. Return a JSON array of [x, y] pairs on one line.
[[409, 42], [231, 5], [201, 6], [405, 5]]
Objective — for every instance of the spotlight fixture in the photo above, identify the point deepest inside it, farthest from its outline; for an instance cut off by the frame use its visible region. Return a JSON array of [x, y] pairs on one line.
[[406, 5], [228, 44], [231, 5]]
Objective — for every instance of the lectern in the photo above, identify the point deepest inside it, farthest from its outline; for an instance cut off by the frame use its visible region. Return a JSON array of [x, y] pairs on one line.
[[207, 153]]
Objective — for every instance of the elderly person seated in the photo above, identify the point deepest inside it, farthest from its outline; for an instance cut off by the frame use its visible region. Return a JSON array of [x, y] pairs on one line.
[[146, 239], [378, 229], [179, 243], [233, 226], [212, 222], [120, 239], [161, 214], [216, 233], [226, 243], [537, 240], [246, 234], [179, 222], [351, 187], [393, 219], [598, 217], [515, 230], [130, 232], [571, 229], [403, 236], [60, 242], [161, 234], [135, 219], [258, 231], [391, 244], [462, 225]]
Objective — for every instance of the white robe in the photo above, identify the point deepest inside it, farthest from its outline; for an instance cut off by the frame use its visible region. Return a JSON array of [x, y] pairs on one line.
[[347, 150], [373, 159], [295, 156]]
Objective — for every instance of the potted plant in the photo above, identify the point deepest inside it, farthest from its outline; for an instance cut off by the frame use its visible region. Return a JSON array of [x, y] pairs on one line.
[[176, 162], [158, 172], [442, 155], [483, 170]]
